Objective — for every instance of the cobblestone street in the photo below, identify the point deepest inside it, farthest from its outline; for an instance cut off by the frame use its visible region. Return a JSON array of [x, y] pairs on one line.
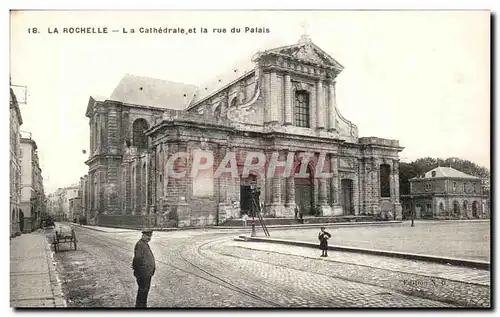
[[206, 268]]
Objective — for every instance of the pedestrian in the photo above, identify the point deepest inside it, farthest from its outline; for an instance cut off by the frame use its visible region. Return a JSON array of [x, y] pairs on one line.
[[144, 268], [296, 212], [245, 219], [323, 241]]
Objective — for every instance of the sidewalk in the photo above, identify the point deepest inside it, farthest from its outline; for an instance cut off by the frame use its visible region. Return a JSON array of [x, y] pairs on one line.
[[33, 281]]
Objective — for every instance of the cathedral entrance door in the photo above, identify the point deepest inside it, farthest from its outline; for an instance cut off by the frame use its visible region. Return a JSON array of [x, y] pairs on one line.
[[304, 190], [346, 197], [303, 197], [475, 213], [245, 199]]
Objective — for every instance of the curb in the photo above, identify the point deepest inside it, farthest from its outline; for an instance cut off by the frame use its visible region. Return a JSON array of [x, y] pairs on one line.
[[59, 300], [409, 256]]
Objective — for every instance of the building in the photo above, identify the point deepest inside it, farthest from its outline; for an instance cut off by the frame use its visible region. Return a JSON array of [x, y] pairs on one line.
[[15, 165], [281, 101], [32, 192], [445, 192], [56, 204]]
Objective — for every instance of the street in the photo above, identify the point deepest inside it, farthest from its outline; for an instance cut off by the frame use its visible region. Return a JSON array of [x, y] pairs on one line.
[[207, 268]]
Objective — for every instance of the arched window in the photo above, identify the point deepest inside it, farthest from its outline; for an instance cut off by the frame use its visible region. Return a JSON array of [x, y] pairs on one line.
[[454, 186], [456, 207], [140, 139], [301, 109], [233, 102], [218, 111]]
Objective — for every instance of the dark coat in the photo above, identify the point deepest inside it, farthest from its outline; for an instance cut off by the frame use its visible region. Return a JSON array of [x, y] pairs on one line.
[[144, 260], [323, 240]]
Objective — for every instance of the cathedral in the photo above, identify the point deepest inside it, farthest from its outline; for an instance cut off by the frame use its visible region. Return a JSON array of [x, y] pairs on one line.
[[280, 102]]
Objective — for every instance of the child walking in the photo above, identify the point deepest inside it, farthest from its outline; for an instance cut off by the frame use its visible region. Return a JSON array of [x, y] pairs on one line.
[[323, 241]]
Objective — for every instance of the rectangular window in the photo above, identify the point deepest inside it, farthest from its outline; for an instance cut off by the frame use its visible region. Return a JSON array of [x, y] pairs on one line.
[[301, 111], [385, 180]]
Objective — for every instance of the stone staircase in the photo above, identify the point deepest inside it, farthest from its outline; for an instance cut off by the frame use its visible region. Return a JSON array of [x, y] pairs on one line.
[[306, 220]]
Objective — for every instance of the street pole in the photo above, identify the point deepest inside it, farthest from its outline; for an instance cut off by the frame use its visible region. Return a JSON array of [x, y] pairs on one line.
[[413, 218]]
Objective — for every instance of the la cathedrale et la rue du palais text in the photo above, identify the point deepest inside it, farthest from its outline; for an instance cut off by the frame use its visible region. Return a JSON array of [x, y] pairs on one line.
[[155, 30]]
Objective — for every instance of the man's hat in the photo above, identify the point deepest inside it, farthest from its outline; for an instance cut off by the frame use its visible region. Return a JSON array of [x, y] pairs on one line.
[[147, 232]]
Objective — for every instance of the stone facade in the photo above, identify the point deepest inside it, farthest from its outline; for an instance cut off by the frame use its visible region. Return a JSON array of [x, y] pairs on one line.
[[285, 105], [445, 193], [15, 164], [32, 190]]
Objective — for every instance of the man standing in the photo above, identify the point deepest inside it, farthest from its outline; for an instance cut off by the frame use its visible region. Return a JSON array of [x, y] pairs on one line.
[[144, 268]]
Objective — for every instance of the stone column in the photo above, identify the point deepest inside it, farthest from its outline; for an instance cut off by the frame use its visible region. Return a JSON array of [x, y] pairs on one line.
[[266, 85], [91, 127], [102, 132], [288, 101], [332, 105], [313, 112], [320, 111], [290, 192], [397, 204], [324, 208], [375, 186], [334, 186], [224, 207], [97, 131], [276, 110]]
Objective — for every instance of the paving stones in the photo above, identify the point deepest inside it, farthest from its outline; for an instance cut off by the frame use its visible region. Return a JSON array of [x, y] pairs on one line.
[[99, 274]]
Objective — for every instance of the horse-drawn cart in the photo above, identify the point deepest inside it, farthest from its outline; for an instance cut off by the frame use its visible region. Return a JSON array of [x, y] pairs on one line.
[[64, 234]]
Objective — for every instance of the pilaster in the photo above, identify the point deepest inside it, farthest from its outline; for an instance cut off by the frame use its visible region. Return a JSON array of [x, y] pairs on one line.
[[275, 92], [288, 100], [320, 111], [332, 105], [334, 186]]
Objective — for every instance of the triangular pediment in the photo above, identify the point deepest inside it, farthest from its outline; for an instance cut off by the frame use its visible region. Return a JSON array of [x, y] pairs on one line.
[[309, 52]]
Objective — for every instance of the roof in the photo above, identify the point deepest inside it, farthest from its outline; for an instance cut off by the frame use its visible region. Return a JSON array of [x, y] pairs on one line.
[[446, 172], [237, 69], [151, 92]]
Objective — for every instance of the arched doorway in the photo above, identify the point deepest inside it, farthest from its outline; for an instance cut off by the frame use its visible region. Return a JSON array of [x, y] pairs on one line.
[[246, 194], [465, 207], [441, 209], [456, 208], [139, 137], [21, 220], [346, 196], [304, 190], [475, 211]]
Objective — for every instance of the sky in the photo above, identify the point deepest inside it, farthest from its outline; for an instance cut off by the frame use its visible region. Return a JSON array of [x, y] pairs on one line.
[[420, 77]]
